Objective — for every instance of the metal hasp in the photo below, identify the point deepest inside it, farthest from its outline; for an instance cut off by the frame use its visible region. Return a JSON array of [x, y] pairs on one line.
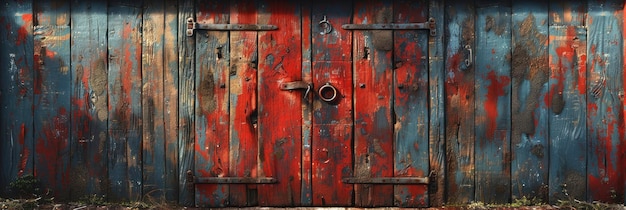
[[430, 25], [295, 85], [193, 25], [387, 180]]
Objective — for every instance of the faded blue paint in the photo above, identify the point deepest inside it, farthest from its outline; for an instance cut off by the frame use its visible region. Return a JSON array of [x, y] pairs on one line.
[[411, 104], [437, 126], [89, 102], [568, 133], [186, 104], [153, 70], [529, 136], [125, 175], [605, 98], [459, 81], [493, 51], [16, 94], [52, 115]]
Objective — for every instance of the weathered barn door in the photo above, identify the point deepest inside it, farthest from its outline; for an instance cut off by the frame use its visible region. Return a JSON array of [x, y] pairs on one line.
[[301, 104]]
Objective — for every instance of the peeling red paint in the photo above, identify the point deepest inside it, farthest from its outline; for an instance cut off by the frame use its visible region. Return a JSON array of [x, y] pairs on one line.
[[56, 132], [128, 62], [25, 152], [495, 90]]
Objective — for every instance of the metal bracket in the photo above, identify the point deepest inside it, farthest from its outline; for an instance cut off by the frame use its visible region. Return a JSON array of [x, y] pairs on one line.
[[387, 180], [193, 25], [429, 25]]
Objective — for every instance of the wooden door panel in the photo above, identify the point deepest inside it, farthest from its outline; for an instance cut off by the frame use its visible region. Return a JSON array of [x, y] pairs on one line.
[[212, 99], [280, 119], [243, 103], [373, 79], [332, 121], [410, 104]]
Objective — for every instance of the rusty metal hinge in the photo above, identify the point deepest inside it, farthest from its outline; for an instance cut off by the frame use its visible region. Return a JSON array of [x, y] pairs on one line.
[[429, 25], [235, 180], [193, 25], [386, 180]]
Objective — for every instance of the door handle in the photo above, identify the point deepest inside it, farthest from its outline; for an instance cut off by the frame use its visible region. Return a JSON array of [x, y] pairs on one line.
[[327, 92], [297, 85]]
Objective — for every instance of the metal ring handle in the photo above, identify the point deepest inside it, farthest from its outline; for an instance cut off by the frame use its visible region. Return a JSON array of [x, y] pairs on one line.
[[327, 28], [325, 88]]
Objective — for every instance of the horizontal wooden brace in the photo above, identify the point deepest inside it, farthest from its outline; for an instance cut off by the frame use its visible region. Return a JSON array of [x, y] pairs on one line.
[[430, 25], [235, 180], [387, 180], [192, 25]]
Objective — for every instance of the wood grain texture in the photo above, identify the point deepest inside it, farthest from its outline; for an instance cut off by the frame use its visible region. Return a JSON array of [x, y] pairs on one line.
[[152, 99], [280, 121], [307, 106], [243, 103], [605, 102], [493, 103], [16, 92], [332, 121], [529, 116], [460, 102], [373, 80], [124, 83], [568, 126], [170, 86], [212, 117], [52, 97], [411, 103], [89, 99], [436, 129], [186, 103]]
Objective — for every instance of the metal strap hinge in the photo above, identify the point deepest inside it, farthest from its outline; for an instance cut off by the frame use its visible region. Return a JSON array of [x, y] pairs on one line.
[[193, 25], [429, 25], [235, 180], [386, 180]]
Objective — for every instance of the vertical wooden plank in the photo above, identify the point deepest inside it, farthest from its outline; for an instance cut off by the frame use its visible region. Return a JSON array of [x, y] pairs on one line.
[[436, 128], [493, 104], [280, 124], [460, 41], [170, 86], [307, 106], [186, 103], [124, 84], [567, 101], [332, 121], [152, 72], [52, 96], [89, 98], [410, 103], [212, 117], [243, 103], [16, 91], [529, 117], [605, 102], [373, 79]]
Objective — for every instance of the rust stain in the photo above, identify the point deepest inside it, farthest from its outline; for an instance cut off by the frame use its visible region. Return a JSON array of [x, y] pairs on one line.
[[495, 90]]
